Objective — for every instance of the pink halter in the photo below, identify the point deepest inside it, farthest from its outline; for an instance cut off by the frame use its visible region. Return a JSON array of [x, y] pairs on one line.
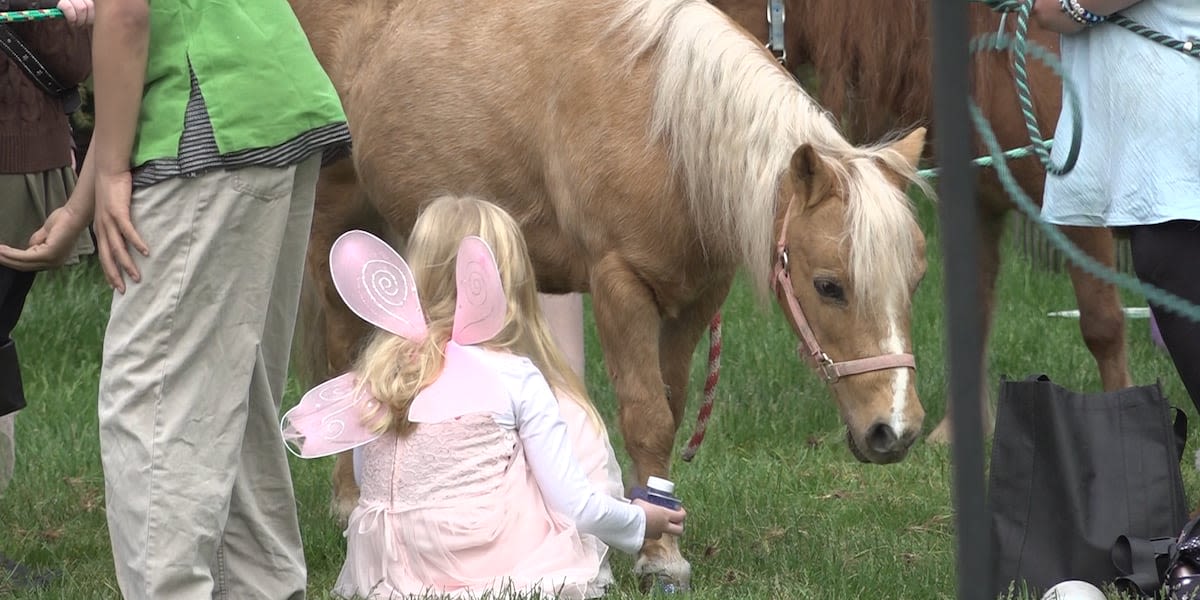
[[830, 371]]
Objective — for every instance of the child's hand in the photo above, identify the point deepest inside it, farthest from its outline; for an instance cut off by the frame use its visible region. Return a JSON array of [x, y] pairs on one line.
[[78, 13], [661, 520]]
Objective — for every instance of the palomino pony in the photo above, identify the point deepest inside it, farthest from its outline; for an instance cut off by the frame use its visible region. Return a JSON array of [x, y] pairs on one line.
[[874, 66], [660, 153]]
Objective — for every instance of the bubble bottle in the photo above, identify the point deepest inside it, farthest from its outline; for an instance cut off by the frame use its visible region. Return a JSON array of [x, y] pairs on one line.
[[661, 492]]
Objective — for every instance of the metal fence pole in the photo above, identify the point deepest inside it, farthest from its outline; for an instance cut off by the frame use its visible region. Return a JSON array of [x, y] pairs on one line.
[[960, 242]]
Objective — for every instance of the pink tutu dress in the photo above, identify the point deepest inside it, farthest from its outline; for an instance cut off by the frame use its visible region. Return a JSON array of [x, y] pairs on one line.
[[455, 506]]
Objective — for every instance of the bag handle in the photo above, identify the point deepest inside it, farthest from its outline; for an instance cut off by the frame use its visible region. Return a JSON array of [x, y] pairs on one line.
[[1142, 563]]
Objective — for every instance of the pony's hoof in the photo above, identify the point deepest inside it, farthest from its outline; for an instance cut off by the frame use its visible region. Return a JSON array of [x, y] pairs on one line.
[[660, 577], [659, 585]]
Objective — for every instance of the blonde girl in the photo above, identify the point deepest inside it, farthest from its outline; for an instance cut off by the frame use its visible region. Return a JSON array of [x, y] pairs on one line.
[[470, 476]]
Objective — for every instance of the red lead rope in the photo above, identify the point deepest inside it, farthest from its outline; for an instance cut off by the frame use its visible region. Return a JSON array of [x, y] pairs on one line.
[[710, 387]]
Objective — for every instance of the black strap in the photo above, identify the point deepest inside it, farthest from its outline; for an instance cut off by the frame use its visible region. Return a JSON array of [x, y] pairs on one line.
[[1142, 564], [1180, 427], [36, 70]]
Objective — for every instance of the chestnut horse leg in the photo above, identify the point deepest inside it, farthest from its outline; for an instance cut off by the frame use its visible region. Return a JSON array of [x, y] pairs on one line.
[[628, 323], [992, 218], [1101, 320]]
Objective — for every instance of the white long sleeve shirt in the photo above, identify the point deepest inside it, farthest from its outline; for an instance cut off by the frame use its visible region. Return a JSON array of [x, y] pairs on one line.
[[535, 416]]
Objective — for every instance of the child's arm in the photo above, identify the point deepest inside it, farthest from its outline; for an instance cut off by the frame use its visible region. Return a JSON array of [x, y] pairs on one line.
[[548, 450]]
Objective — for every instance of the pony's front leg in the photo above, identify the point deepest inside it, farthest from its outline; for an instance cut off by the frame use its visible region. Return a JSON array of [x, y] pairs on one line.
[[628, 323], [678, 341]]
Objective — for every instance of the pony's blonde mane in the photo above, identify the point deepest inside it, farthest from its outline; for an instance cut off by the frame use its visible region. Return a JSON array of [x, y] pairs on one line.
[[733, 117]]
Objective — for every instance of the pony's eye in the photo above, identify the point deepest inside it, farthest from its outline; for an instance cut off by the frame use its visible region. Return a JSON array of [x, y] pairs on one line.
[[830, 289]]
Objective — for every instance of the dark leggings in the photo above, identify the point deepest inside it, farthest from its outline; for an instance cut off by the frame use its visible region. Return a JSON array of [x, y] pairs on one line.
[[14, 286], [1167, 256]]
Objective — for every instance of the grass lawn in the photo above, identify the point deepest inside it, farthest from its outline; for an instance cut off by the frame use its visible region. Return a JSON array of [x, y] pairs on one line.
[[778, 507]]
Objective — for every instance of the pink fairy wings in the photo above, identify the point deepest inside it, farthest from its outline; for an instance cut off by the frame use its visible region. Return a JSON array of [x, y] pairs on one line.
[[467, 385], [378, 286], [328, 419], [479, 314]]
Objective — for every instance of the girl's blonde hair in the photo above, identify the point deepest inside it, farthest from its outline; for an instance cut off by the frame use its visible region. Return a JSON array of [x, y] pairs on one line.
[[396, 369]]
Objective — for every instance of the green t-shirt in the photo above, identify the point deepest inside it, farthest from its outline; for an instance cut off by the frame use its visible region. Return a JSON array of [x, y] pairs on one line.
[[261, 82]]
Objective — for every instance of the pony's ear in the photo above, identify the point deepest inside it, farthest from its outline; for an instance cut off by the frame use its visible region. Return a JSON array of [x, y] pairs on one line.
[[377, 284], [329, 419], [911, 146], [811, 175], [480, 311]]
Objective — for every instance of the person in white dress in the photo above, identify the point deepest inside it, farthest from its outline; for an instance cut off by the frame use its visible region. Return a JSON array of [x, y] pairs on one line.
[[1139, 159]]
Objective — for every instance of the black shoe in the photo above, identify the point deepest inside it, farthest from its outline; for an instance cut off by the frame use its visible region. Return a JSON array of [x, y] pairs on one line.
[[16, 576]]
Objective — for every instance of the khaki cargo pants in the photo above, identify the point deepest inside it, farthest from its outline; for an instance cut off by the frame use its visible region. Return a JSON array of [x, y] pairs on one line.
[[198, 492]]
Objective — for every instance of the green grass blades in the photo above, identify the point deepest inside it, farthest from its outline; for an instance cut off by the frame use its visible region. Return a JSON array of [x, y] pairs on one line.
[[777, 506]]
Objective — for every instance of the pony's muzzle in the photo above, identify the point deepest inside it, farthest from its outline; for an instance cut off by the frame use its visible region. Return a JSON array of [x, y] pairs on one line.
[[880, 444], [882, 439]]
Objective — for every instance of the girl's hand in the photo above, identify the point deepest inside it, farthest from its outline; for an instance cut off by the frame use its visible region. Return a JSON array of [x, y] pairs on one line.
[[661, 520], [78, 13]]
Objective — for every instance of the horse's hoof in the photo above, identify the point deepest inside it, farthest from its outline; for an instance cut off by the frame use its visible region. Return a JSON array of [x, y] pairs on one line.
[[659, 585], [660, 577]]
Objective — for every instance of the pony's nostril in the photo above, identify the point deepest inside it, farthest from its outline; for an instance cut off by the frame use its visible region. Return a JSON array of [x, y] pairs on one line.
[[882, 438]]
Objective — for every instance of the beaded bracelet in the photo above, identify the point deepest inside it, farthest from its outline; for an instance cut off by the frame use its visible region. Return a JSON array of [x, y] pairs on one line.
[[1080, 14]]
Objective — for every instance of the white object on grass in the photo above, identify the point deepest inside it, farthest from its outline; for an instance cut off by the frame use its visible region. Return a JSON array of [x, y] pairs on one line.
[[1133, 312], [1074, 590]]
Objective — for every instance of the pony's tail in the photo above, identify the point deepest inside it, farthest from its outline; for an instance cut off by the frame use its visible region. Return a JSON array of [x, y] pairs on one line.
[[309, 350]]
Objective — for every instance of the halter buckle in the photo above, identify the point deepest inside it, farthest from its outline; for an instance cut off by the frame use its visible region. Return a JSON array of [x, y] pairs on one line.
[[776, 17], [828, 372]]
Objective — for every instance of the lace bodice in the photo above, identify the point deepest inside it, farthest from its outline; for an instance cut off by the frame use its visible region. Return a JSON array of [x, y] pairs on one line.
[[438, 463]]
